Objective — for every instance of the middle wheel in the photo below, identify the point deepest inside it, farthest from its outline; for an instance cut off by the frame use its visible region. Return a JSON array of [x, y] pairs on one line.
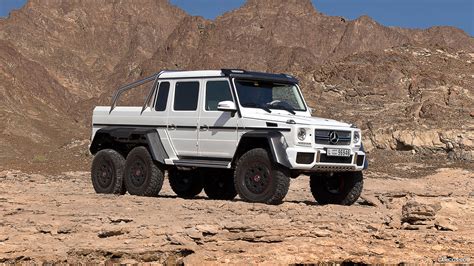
[[220, 186], [142, 175], [186, 184]]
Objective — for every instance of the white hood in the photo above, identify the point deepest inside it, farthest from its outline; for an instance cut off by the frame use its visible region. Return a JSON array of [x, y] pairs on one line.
[[301, 120]]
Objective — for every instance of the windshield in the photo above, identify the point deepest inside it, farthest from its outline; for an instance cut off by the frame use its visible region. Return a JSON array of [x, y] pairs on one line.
[[269, 95]]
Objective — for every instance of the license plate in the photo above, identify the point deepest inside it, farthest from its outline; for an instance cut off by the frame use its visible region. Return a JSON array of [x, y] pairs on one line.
[[338, 152]]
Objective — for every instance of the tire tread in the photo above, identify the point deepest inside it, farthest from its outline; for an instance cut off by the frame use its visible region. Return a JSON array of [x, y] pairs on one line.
[[351, 193], [119, 162], [156, 177], [281, 176]]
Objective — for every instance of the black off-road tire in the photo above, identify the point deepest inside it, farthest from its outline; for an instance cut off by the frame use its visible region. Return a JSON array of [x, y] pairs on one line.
[[186, 184], [219, 186], [142, 176], [343, 188], [107, 172], [258, 179]]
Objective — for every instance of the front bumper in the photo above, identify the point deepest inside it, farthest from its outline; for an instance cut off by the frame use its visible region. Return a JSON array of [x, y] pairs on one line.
[[311, 159]]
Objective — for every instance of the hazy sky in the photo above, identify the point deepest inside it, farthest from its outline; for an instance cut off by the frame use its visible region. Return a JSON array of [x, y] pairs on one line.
[[403, 13]]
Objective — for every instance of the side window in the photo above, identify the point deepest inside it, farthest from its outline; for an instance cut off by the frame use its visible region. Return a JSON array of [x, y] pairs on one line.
[[162, 96], [217, 91], [186, 96]]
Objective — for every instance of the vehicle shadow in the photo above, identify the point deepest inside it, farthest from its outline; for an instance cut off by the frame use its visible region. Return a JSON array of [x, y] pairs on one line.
[[204, 198]]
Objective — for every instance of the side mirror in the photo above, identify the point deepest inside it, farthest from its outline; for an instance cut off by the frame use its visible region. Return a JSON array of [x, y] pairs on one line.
[[311, 110], [226, 106]]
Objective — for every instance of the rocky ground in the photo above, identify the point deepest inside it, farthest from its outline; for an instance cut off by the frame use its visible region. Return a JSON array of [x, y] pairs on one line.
[[405, 215]]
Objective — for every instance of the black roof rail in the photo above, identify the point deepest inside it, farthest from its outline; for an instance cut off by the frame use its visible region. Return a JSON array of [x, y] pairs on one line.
[[252, 75], [227, 71]]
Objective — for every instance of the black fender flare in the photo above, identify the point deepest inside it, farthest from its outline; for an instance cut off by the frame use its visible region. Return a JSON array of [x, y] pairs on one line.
[[276, 143], [130, 135]]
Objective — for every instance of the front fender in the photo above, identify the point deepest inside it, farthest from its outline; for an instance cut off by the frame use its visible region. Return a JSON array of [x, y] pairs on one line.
[[275, 141]]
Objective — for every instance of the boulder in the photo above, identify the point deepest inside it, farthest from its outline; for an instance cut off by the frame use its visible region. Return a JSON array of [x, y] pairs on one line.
[[416, 213]]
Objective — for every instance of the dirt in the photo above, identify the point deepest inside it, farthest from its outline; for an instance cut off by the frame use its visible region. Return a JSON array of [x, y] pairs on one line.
[[59, 218]]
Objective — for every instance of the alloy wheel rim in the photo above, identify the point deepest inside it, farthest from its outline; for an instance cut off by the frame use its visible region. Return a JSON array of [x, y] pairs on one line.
[[257, 178], [104, 176], [138, 173]]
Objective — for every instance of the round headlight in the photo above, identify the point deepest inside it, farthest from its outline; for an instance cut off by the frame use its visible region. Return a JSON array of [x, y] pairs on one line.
[[356, 136], [302, 134]]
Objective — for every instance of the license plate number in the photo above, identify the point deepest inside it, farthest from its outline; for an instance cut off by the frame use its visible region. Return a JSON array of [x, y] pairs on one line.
[[339, 152]]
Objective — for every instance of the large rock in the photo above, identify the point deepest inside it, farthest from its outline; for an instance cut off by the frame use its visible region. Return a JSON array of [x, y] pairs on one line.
[[416, 213], [456, 143]]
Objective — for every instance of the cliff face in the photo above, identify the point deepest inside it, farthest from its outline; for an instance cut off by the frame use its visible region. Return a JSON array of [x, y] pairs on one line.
[[60, 58]]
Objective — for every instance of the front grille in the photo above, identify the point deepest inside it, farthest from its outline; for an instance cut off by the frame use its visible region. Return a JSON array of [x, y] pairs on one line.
[[334, 159], [324, 136]]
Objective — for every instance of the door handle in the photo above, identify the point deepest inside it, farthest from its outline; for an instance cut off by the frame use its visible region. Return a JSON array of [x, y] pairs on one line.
[[204, 127], [172, 127]]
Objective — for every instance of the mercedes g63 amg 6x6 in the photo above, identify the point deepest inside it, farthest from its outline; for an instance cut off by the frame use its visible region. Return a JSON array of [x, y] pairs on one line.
[[229, 132]]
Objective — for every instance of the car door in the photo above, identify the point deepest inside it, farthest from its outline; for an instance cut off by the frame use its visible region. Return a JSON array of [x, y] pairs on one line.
[[217, 129], [183, 118]]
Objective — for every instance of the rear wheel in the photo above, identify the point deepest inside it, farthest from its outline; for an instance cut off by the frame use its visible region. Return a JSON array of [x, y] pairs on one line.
[[219, 186], [258, 179], [142, 175], [342, 188], [107, 172], [186, 184]]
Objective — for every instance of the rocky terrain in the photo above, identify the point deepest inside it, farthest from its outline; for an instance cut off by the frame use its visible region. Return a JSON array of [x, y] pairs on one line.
[[59, 218], [410, 90]]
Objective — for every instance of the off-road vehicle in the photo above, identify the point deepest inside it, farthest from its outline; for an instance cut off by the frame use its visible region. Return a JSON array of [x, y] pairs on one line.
[[228, 132]]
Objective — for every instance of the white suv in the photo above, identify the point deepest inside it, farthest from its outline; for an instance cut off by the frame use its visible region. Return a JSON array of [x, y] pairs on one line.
[[228, 132]]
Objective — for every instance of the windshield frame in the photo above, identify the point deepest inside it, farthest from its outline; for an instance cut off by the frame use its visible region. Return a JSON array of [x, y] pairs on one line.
[[296, 85]]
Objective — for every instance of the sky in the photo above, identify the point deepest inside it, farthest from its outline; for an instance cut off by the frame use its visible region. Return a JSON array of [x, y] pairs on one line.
[[402, 13]]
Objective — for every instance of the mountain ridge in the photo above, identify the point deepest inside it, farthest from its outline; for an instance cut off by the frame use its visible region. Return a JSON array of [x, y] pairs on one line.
[[79, 52]]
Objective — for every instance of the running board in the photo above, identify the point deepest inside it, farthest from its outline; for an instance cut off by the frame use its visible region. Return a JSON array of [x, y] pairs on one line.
[[202, 163]]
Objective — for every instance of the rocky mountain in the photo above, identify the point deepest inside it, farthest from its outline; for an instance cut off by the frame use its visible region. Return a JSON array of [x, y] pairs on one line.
[[409, 89]]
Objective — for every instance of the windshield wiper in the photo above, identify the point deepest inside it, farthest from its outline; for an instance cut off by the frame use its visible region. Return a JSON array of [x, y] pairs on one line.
[[282, 107], [254, 105]]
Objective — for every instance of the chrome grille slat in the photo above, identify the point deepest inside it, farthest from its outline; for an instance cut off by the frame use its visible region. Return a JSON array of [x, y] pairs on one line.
[[322, 136]]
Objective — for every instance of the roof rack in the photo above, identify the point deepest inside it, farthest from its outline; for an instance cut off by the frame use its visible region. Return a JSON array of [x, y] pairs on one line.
[[251, 75], [135, 84], [130, 86], [235, 73]]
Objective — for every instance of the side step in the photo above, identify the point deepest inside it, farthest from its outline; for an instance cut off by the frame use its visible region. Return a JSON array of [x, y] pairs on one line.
[[202, 163]]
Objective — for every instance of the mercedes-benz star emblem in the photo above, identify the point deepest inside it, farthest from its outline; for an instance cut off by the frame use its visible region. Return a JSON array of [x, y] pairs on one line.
[[333, 137]]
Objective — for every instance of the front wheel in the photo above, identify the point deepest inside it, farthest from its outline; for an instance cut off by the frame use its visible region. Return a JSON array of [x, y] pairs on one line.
[[343, 188], [258, 179]]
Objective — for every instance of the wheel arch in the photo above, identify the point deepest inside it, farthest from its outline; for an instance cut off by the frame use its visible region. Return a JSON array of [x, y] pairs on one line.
[[273, 141], [124, 139]]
